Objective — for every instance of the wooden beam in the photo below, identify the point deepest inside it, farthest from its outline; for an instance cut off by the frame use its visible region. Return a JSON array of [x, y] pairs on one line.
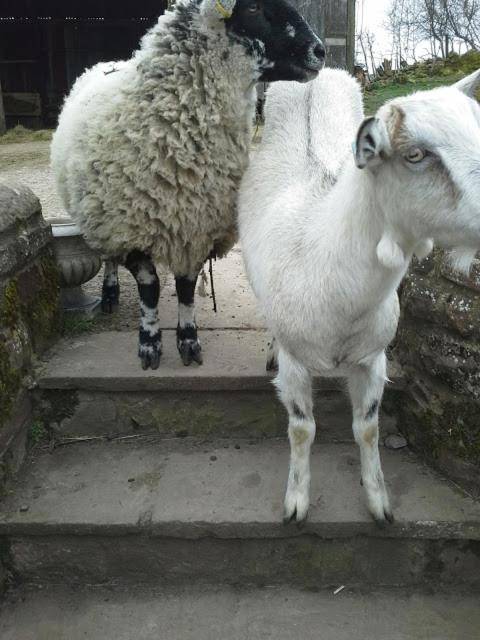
[[350, 52], [3, 124]]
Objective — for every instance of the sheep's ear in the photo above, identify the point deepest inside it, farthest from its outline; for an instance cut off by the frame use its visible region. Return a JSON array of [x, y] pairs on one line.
[[217, 9], [372, 140], [470, 84]]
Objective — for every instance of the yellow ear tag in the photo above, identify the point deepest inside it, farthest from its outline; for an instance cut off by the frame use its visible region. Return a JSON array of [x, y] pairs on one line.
[[221, 10]]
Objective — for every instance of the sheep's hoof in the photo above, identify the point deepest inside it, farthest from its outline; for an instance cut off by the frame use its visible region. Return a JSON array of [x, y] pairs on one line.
[[188, 345], [150, 356], [110, 298], [190, 351]]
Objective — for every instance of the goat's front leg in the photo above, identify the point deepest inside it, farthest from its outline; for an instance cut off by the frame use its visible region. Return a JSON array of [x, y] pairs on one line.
[[295, 389], [143, 270], [188, 343], [110, 288], [365, 386]]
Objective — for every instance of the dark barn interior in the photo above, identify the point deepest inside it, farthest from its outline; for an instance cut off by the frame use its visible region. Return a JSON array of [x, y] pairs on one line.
[[45, 45]]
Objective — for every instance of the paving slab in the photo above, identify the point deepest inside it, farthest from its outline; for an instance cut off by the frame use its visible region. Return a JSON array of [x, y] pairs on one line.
[[234, 360], [190, 488], [278, 613]]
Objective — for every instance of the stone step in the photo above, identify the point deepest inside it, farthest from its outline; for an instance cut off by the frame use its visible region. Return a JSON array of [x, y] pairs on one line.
[[281, 613], [93, 385], [186, 511]]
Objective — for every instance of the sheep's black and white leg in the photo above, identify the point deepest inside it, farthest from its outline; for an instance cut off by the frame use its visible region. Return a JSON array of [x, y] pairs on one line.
[[365, 386], [110, 288], [143, 270], [295, 389], [187, 339]]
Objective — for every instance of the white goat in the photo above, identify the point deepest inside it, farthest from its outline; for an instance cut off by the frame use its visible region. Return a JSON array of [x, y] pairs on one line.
[[326, 243]]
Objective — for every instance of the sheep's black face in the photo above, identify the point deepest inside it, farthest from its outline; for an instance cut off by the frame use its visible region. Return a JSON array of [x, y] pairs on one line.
[[280, 37]]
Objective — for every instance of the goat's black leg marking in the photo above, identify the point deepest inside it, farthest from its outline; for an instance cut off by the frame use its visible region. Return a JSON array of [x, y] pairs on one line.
[[110, 288], [143, 270], [187, 339]]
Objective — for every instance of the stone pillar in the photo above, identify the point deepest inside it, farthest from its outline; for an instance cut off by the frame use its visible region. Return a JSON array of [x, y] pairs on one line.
[[30, 315], [438, 344]]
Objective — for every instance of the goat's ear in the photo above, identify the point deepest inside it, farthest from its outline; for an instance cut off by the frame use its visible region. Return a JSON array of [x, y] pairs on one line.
[[372, 141], [470, 84], [217, 9]]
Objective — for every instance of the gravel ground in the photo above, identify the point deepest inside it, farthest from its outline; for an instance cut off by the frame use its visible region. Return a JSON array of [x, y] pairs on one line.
[[28, 162]]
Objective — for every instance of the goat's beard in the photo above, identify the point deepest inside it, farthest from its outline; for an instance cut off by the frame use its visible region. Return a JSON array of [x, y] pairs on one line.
[[461, 259]]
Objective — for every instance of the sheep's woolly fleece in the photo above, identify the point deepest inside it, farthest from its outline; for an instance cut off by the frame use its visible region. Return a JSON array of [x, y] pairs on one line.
[[149, 152]]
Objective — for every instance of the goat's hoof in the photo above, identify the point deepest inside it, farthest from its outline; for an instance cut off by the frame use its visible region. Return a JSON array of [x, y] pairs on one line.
[[272, 364], [110, 298], [295, 509], [190, 351], [388, 518], [150, 356]]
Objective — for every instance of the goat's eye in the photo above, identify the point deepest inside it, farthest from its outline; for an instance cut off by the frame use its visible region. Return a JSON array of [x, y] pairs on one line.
[[415, 155], [253, 7]]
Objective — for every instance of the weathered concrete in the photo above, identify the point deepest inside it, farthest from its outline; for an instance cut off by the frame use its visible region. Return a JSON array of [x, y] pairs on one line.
[[185, 510], [236, 414], [234, 360], [279, 613]]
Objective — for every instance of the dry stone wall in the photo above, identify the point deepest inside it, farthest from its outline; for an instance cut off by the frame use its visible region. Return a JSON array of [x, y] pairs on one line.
[[438, 345]]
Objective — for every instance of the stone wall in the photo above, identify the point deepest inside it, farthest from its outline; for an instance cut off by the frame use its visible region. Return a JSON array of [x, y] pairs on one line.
[[438, 344], [29, 311]]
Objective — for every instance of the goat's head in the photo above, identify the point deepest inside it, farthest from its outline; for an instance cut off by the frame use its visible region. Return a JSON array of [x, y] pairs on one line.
[[423, 154], [275, 33]]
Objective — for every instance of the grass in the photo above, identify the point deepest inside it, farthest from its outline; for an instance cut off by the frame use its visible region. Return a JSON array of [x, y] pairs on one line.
[[420, 77], [37, 432], [75, 325], [22, 134]]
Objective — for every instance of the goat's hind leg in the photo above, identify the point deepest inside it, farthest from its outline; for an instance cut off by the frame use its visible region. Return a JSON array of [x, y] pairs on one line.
[[365, 386], [143, 270], [110, 288], [295, 389]]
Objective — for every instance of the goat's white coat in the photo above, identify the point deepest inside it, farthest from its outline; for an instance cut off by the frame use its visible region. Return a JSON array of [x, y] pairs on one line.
[[326, 244]]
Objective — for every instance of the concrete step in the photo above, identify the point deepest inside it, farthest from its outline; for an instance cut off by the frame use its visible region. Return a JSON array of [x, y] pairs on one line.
[[93, 385], [279, 613], [180, 511]]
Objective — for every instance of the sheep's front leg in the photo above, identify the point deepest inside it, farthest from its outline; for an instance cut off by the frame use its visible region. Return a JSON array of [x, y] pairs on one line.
[[110, 288], [366, 388], [143, 270], [188, 343], [295, 389]]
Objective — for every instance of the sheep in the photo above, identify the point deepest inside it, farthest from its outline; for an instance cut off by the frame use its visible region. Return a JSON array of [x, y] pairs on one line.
[[149, 152], [327, 235]]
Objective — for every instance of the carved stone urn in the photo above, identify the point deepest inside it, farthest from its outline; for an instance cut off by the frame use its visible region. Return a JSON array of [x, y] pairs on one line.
[[77, 264]]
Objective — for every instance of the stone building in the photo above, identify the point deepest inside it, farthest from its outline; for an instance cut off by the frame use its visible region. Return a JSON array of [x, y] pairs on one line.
[[45, 46]]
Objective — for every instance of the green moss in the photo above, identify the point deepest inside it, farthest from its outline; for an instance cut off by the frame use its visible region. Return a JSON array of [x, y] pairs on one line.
[[10, 305], [43, 314], [29, 301], [10, 380]]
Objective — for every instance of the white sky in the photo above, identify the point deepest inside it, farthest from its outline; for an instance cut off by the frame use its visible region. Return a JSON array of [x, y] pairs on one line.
[[372, 14]]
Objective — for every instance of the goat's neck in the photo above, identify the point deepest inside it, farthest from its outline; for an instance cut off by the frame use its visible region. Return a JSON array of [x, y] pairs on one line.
[[365, 241]]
